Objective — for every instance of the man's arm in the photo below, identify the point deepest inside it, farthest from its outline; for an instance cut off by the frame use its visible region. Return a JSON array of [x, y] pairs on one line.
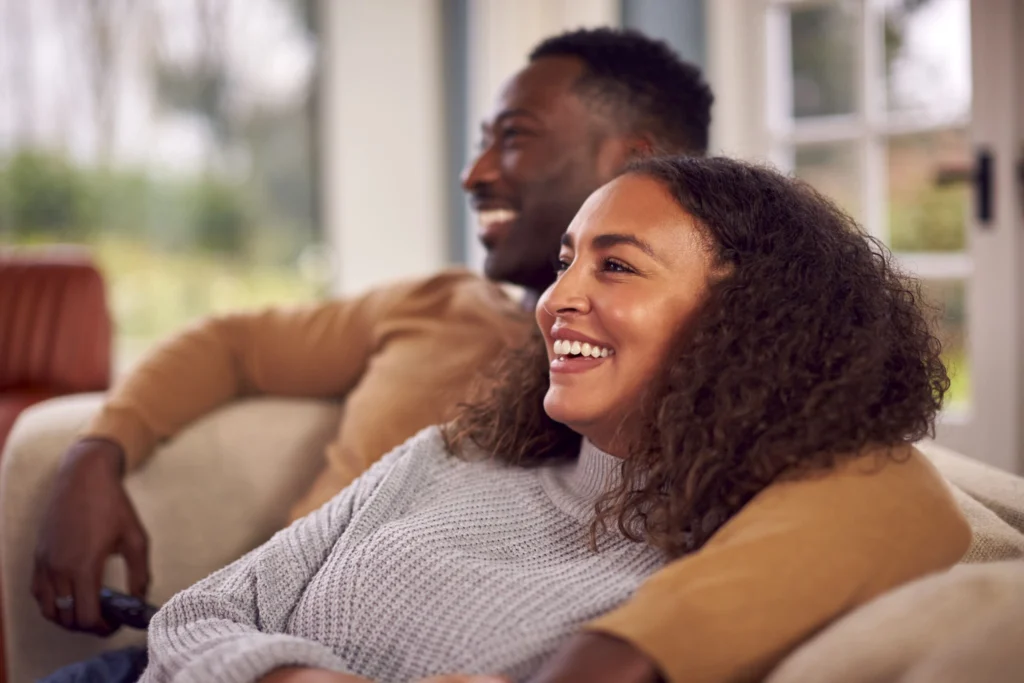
[[319, 350], [313, 351], [799, 555]]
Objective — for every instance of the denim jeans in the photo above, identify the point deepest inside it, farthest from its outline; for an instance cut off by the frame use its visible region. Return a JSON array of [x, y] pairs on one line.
[[116, 666]]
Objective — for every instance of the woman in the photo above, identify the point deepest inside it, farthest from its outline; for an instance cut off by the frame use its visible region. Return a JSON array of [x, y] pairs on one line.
[[715, 329]]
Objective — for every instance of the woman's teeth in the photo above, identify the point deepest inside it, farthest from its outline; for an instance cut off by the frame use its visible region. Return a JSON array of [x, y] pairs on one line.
[[564, 347]]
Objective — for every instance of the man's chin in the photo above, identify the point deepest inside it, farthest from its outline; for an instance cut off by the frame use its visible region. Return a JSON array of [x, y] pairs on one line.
[[496, 269]]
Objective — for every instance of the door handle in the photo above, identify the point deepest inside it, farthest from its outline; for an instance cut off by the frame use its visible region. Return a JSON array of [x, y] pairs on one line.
[[982, 176]]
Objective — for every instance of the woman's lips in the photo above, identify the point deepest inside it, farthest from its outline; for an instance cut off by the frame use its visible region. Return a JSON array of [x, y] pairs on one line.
[[575, 364]]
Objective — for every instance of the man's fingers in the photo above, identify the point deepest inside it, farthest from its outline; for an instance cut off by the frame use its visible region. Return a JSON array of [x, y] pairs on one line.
[[135, 550], [42, 589], [64, 600], [87, 603]]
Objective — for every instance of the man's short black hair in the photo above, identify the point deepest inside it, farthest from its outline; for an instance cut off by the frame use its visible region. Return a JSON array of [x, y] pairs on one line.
[[643, 81]]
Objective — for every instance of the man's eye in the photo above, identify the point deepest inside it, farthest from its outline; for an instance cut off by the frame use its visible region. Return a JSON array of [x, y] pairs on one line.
[[511, 134]]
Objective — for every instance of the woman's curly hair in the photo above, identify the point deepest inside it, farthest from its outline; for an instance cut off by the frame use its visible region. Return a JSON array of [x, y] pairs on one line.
[[810, 348]]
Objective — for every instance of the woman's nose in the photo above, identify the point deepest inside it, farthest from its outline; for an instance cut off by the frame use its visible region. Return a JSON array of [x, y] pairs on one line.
[[568, 294]]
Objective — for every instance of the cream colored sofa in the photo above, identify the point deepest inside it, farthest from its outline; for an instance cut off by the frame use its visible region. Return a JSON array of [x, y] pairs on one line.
[[225, 485]]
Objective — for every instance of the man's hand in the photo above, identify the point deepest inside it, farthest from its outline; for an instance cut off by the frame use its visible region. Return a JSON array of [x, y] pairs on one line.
[[597, 658], [87, 519], [304, 675]]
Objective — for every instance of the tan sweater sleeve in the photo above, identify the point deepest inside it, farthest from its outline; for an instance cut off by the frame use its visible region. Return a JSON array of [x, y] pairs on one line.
[[800, 554], [313, 351]]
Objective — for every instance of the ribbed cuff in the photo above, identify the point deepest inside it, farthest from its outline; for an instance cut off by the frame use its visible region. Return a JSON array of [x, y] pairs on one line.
[[127, 430]]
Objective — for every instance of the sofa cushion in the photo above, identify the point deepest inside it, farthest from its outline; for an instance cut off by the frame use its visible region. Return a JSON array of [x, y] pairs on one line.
[[11, 405], [882, 641], [988, 651]]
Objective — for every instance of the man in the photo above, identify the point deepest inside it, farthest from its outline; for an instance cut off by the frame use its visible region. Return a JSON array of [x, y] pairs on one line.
[[586, 105]]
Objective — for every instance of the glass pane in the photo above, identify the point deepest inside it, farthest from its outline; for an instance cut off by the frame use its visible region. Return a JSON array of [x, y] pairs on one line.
[[833, 170], [928, 56], [925, 215], [824, 52], [949, 297], [176, 141]]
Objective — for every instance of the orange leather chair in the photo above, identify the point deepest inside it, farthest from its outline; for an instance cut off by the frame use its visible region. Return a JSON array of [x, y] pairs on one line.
[[54, 334]]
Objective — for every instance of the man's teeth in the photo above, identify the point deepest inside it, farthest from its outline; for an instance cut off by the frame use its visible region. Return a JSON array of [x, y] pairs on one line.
[[492, 216], [564, 347]]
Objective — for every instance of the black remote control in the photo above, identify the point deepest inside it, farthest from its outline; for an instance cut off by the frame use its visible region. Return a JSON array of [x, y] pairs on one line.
[[119, 609]]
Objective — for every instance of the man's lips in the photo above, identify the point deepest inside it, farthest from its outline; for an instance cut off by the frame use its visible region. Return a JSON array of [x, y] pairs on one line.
[[494, 223]]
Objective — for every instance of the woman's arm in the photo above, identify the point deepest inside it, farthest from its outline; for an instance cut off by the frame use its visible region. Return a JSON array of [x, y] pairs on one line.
[[229, 626]]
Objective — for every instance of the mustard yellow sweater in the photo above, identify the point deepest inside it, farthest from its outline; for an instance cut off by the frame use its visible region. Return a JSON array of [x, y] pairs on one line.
[[801, 553]]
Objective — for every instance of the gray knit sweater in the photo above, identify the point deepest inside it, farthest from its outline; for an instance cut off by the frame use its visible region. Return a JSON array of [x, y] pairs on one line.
[[425, 565]]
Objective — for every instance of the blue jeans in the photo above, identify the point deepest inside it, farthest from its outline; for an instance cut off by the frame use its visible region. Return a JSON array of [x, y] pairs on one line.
[[116, 666]]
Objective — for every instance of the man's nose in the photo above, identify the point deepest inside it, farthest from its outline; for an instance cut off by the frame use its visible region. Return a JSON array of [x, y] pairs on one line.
[[481, 171]]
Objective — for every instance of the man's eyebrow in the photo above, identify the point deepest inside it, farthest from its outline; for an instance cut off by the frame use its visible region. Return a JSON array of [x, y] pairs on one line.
[[506, 114]]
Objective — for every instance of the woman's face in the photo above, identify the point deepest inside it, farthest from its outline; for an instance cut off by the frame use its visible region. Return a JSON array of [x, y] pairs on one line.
[[634, 270]]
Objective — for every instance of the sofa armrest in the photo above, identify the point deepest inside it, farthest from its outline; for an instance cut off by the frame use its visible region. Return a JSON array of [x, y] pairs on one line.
[[219, 489]]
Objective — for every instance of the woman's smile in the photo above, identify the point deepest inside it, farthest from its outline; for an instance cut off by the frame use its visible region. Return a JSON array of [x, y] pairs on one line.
[[573, 352]]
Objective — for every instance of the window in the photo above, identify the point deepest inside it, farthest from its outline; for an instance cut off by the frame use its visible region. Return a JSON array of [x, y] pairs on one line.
[[174, 139], [870, 102]]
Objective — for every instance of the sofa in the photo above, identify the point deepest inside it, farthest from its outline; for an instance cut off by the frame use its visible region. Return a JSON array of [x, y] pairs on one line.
[[55, 332], [225, 484], [55, 328]]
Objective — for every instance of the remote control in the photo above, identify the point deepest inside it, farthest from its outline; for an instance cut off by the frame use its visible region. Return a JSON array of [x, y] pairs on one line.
[[124, 610]]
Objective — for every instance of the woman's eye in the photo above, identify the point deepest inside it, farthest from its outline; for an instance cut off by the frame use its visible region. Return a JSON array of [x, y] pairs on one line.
[[613, 266], [562, 265]]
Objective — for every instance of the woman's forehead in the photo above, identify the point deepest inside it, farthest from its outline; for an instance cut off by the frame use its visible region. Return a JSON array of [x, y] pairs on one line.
[[640, 206]]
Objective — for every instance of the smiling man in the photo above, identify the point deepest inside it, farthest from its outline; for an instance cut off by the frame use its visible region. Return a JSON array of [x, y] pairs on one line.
[[401, 357]]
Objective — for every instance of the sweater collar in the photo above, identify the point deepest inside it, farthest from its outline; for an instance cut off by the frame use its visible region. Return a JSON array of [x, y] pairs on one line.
[[575, 487]]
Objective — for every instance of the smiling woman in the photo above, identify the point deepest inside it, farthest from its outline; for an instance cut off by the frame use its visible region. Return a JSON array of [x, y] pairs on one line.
[[752, 329], [717, 331]]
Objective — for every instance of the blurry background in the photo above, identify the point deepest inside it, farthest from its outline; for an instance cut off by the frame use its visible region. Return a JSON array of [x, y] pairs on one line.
[[222, 154]]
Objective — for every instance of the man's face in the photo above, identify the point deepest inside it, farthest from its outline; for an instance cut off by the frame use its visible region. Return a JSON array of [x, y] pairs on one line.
[[542, 154]]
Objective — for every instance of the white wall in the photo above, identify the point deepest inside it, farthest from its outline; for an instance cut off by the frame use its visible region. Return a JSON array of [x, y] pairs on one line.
[[382, 113]]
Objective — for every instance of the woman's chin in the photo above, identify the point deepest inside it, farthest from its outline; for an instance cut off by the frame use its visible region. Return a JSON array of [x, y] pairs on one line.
[[565, 412]]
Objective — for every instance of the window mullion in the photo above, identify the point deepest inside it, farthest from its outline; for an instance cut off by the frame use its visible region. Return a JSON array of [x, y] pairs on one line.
[[873, 169]]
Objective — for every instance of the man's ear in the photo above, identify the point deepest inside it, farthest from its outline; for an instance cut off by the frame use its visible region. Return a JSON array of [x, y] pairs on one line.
[[619, 151], [641, 147]]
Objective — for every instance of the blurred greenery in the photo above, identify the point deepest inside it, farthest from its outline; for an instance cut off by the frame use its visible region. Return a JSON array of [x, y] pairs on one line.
[[959, 395], [152, 294], [171, 249], [934, 221], [44, 198]]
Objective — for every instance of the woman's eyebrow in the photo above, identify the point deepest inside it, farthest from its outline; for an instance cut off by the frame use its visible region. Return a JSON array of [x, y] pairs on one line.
[[611, 239]]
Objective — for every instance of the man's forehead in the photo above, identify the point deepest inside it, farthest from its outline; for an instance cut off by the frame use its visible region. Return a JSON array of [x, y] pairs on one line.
[[540, 86]]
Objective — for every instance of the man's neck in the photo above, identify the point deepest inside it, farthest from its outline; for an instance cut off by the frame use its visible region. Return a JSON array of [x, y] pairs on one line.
[[529, 301]]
